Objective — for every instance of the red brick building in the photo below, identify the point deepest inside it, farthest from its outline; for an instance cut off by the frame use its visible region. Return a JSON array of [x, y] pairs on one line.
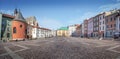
[[19, 27]]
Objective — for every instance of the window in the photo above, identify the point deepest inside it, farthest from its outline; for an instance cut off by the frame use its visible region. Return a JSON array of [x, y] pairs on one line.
[[111, 19], [25, 31], [8, 29], [8, 35], [103, 27], [114, 18], [103, 22], [14, 30], [8, 24], [111, 26], [20, 26], [103, 16], [114, 25], [106, 20], [119, 26], [100, 18], [110, 33], [100, 23], [107, 26]]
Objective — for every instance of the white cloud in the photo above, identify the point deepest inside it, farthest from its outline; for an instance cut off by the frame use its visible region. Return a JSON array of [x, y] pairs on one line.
[[109, 7], [118, 0]]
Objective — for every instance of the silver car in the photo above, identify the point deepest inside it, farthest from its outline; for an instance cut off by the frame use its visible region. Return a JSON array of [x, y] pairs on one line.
[[116, 35]]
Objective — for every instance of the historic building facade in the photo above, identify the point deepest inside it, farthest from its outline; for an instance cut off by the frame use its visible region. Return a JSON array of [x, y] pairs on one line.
[[63, 31], [5, 27], [96, 26], [85, 27], [19, 27], [102, 26], [90, 27], [32, 28], [118, 22], [78, 31], [72, 29], [111, 23]]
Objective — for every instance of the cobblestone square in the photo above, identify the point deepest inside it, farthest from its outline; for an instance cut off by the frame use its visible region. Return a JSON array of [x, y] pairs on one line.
[[61, 48]]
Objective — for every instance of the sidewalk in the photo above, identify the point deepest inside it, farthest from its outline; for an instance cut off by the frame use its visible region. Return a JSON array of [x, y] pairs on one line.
[[96, 38]]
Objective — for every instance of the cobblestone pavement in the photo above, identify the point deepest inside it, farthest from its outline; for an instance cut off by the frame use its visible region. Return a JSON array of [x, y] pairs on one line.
[[61, 48]]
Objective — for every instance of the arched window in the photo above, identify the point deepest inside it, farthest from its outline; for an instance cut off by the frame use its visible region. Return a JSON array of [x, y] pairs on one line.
[[14, 30], [20, 26]]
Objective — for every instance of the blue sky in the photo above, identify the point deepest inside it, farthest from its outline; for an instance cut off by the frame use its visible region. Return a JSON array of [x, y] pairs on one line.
[[57, 13]]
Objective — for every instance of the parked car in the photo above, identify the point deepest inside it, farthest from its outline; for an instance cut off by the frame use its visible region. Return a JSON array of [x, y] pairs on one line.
[[116, 35]]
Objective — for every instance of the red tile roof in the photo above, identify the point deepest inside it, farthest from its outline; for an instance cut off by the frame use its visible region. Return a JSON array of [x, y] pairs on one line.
[[7, 15], [39, 27]]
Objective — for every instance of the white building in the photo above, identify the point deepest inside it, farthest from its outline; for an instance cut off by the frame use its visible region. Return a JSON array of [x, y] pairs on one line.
[[53, 33], [90, 27], [72, 29], [29, 31], [44, 32], [32, 28], [35, 32], [32, 21], [102, 25]]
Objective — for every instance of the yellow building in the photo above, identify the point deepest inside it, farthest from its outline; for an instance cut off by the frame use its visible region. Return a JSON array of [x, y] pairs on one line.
[[63, 31]]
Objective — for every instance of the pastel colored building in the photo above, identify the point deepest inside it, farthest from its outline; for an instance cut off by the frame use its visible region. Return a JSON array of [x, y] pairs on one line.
[[118, 22], [111, 23], [5, 27], [63, 31], [102, 26], [19, 27], [90, 27], [85, 28], [96, 26], [72, 29], [77, 32]]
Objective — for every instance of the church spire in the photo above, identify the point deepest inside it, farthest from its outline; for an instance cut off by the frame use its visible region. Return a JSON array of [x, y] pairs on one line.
[[15, 12]]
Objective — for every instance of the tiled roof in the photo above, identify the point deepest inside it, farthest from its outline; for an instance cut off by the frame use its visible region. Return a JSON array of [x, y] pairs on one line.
[[7, 15], [38, 27], [19, 16], [44, 28], [63, 28]]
